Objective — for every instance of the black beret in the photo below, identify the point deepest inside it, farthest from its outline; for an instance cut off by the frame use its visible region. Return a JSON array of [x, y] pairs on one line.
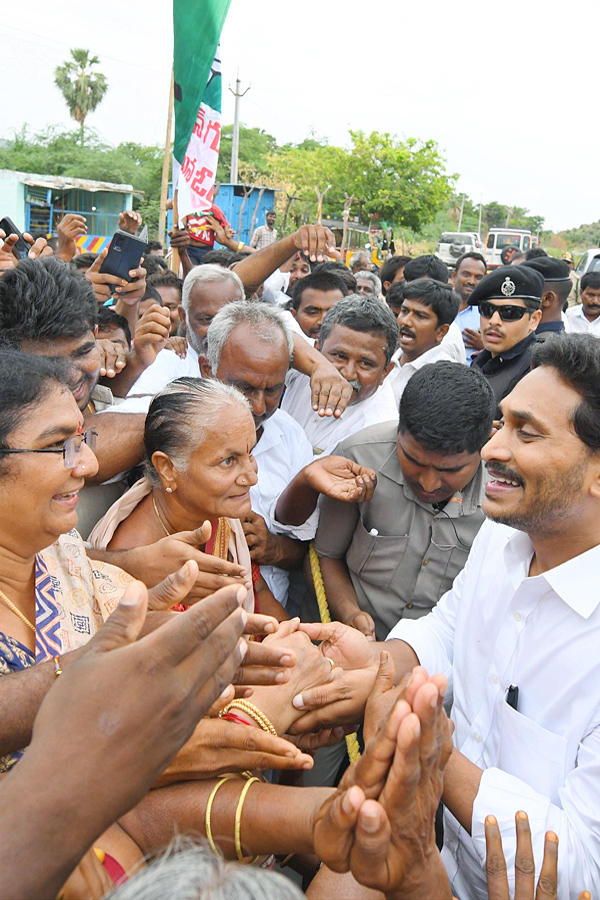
[[550, 269], [510, 283]]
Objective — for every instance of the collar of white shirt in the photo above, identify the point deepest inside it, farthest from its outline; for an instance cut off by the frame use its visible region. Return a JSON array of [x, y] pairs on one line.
[[575, 581]]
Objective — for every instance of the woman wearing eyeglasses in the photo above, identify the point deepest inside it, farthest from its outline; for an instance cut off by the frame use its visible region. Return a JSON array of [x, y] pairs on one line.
[[45, 577], [509, 301]]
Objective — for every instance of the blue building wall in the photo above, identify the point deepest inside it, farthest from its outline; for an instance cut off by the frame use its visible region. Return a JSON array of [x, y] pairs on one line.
[[230, 199]]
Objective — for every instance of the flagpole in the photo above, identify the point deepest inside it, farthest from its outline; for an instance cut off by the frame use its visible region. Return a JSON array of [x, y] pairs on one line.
[[164, 187]]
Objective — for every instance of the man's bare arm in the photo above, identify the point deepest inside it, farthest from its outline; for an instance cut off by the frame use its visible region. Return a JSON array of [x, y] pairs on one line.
[[315, 240], [120, 442]]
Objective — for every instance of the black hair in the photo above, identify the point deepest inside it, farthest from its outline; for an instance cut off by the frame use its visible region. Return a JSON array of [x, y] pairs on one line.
[[576, 359], [270, 211], [362, 314], [428, 266], [448, 408], [442, 299], [390, 268], [84, 260], [106, 317], [318, 281], [44, 299], [25, 381], [339, 269], [217, 258], [535, 253], [395, 296], [470, 254], [562, 289], [153, 264], [165, 279], [590, 280], [153, 245], [152, 294]]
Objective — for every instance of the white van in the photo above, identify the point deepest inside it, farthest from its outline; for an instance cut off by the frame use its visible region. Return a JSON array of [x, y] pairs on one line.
[[499, 238]]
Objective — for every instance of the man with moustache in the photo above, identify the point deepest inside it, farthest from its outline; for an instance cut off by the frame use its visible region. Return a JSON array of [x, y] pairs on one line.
[[585, 318], [509, 301], [517, 634]]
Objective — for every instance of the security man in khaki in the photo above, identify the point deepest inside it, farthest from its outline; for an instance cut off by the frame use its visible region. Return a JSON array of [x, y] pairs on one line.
[[396, 554]]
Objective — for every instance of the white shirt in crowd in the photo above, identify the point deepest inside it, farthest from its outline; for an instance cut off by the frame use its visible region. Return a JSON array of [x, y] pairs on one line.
[[401, 375], [495, 628], [578, 324], [325, 433], [453, 343], [283, 449]]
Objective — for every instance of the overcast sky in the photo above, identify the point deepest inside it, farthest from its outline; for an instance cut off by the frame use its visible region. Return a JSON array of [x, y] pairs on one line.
[[506, 90]]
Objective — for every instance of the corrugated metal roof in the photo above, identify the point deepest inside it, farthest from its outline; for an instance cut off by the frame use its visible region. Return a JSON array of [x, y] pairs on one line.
[[64, 183]]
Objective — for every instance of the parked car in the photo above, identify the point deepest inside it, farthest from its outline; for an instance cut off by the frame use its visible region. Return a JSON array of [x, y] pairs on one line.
[[453, 244], [499, 238]]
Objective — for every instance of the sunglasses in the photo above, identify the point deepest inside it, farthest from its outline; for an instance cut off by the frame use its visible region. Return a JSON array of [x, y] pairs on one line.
[[506, 313]]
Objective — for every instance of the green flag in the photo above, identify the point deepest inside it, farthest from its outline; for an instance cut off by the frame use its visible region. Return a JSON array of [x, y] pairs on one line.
[[197, 26]]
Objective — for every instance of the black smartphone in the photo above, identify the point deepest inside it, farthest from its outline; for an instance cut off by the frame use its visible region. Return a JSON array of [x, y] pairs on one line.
[[21, 248], [125, 253]]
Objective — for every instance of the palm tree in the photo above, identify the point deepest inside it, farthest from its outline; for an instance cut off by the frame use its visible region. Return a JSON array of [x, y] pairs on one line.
[[82, 88]]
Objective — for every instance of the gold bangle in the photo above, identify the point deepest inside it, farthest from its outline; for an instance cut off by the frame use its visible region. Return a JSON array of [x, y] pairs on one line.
[[238, 824], [240, 245], [57, 668], [253, 711], [207, 821]]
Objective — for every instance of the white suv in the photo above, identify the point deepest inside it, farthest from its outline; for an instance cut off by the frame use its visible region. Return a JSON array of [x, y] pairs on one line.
[[452, 245]]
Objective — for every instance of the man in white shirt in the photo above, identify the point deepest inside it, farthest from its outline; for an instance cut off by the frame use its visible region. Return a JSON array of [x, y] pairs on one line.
[[518, 633], [585, 318], [428, 308], [358, 336]]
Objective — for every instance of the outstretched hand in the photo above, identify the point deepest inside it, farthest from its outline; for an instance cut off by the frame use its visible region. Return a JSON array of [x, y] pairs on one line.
[[341, 479]]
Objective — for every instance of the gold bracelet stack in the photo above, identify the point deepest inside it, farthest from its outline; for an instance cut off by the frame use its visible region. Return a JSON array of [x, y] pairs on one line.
[[253, 711]]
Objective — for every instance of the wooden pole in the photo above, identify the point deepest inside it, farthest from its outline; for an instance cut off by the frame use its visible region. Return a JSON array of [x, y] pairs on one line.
[[260, 196], [164, 186], [247, 192], [320, 203], [345, 217], [174, 250]]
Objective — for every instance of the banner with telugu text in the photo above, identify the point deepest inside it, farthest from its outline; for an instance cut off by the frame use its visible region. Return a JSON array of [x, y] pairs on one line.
[[197, 26]]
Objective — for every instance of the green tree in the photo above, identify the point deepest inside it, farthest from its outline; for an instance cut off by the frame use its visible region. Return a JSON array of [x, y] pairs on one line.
[[401, 182], [255, 147], [82, 87]]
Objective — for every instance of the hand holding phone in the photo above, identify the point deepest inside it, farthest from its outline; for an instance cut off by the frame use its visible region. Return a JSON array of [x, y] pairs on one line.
[[124, 254], [20, 248]]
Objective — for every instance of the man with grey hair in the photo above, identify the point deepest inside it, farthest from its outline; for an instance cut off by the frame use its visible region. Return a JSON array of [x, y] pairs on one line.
[[368, 284], [249, 346], [205, 290], [360, 262], [359, 337]]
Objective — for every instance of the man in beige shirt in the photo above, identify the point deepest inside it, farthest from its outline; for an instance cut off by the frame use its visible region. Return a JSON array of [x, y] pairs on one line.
[[396, 554]]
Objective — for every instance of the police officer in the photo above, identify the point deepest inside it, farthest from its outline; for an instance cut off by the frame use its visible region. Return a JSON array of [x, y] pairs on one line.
[[557, 287], [509, 301]]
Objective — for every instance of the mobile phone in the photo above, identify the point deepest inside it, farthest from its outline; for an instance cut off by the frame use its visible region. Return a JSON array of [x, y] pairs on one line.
[[125, 253], [21, 248]]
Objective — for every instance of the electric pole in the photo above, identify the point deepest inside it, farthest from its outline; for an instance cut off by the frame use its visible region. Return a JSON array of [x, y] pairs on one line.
[[235, 142]]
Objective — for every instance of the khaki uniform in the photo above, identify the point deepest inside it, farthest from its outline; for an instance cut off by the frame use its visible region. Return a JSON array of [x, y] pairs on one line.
[[402, 554]]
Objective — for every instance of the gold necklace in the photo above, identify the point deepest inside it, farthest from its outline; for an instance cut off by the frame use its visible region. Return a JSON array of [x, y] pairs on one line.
[[17, 611], [164, 527]]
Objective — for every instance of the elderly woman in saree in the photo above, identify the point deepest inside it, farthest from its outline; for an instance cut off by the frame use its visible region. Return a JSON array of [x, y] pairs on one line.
[[199, 436]]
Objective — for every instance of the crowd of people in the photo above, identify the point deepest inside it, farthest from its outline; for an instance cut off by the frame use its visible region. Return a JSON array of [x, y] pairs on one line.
[[297, 579]]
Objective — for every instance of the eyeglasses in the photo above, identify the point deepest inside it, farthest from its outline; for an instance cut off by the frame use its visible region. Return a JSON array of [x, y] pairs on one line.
[[506, 313], [70, 449]]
